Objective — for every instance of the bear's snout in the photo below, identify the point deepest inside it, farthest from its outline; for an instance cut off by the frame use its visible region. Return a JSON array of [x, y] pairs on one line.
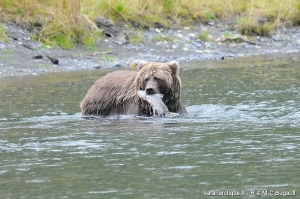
[[150, 91], [151, 86]]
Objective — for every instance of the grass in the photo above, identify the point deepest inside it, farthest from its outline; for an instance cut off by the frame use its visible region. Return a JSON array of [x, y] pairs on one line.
[[137, 38], [204, 35], [65, 23], [4, 54], [161, 37], [227, 34], [250, 26], [107, 58], [43, 65], [3, 36]]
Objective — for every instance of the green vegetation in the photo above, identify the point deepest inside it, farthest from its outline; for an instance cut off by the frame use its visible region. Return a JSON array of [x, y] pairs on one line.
[[204, 36], [248, 26], [3, 36], [107, 58], [4, 54], [227, 34], [43, 65], [162, 37], [137, 38], [68, 22], [208, 16]]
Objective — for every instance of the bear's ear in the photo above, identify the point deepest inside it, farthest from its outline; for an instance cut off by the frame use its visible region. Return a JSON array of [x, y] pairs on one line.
[[174, 66], [142, 64]]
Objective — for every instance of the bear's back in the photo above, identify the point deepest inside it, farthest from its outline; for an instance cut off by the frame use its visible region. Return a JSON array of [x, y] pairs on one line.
[[102, 98]]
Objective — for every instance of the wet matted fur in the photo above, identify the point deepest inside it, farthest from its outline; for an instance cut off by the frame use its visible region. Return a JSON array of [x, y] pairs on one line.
[[116, 92]]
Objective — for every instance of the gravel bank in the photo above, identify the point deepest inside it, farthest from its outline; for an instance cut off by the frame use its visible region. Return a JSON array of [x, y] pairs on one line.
[[183, 45]]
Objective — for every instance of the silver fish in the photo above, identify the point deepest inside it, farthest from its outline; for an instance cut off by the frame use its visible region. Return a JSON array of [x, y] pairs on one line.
[[156, 103]]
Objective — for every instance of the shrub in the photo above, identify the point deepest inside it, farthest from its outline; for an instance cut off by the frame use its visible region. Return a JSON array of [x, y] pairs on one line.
[[204, 36], [250, 26]]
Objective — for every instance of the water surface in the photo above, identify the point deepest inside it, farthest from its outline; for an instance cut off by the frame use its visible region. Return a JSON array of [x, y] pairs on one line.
[[242, 135]]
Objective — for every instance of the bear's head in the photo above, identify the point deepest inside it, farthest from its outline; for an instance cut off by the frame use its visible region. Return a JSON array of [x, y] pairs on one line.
[[160, 78]]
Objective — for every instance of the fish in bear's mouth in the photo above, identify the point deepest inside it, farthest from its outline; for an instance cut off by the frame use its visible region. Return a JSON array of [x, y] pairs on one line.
[[155, 105]]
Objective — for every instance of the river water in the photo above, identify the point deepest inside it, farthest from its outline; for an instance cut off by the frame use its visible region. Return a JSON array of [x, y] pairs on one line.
[[242, 136]]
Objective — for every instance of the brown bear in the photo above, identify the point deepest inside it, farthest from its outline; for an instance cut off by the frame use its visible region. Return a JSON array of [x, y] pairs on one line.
[[116, 92]]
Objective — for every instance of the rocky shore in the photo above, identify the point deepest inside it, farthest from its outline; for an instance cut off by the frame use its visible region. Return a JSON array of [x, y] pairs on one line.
[[19, 56]]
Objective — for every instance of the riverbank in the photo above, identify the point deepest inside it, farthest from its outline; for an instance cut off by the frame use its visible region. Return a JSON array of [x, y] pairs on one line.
[[214, 41]]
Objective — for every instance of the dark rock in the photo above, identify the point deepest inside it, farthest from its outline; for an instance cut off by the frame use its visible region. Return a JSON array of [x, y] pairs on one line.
[[112, 30], [37, 57], [14, 37], [52, 59], [28, 46], [158, 25], [118, 66]]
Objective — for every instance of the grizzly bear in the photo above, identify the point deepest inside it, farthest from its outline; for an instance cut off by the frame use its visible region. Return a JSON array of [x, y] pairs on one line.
[[116, 92]]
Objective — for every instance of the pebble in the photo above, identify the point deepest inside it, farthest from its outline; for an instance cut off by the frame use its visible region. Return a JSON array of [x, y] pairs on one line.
[[291, 51], [196, 44], [2, 45], [192, 35], [245, 45], [207, 45], [275, 37], [117, 42]]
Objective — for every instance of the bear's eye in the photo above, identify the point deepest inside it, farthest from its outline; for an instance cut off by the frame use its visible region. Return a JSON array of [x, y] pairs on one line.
[[156, 79], [146, 79]]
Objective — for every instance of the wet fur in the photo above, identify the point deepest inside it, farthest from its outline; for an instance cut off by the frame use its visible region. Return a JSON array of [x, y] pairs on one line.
[[116, 92]]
